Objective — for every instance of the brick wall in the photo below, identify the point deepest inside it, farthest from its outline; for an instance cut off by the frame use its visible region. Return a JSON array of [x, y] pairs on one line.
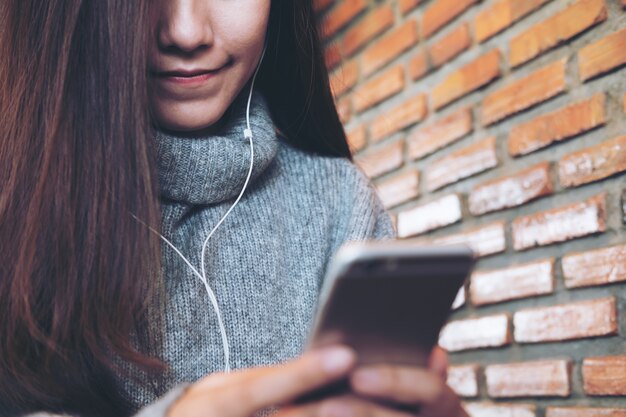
[[501, 123]]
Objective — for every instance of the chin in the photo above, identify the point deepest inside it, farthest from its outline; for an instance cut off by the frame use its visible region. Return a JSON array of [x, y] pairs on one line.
[[187, 119]]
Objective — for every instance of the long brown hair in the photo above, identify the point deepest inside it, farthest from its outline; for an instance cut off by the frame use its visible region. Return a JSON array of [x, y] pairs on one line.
[[75, 163], [294, 79], [78, 273]]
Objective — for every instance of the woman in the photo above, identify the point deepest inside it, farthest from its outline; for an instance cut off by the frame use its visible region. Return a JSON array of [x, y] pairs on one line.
[[122, 121]]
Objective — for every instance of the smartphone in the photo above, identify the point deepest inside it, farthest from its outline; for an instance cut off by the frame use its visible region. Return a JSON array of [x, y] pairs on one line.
[[388, 300]]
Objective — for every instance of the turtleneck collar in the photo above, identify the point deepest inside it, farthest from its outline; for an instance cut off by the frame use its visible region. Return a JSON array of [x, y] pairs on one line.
[[212, 168]]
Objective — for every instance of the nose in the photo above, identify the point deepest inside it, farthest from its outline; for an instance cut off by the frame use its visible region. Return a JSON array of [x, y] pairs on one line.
[[185, 25]]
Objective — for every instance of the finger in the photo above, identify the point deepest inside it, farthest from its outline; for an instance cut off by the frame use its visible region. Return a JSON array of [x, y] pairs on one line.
[[408, 385], [341, 406], [438, 362], [269, 386]]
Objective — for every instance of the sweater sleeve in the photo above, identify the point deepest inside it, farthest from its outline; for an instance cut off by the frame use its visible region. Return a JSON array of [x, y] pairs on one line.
[[158, 408]]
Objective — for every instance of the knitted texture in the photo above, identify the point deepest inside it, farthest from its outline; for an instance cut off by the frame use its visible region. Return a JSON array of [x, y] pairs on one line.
[[266, 262]]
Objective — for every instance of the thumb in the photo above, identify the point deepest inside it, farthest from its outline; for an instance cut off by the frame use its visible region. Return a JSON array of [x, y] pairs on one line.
[[275, 385]]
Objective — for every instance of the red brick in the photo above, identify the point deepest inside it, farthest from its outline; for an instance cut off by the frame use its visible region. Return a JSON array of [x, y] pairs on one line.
[[602, 56], [357, 138], [426, 217], [466, 79], [585, 412], [511, 191], [344, 109], [408, 5], [332, 56], [513, 282], [475, 333], [372, 25], [555, 30], [501, 15], [595, 267], [440, 12], [524, 93], [382, 159], [560, 224], [381, 87], [387, 48], [556, 126], [594, 163], [484, 240], [418, 65], [450, 45], [399, 117], [604, 375], [399, 189], [344, 78], [577, 320], [463, 379], [546, 378], [340, 15], [468, 161], [485, 409], [441, 133]]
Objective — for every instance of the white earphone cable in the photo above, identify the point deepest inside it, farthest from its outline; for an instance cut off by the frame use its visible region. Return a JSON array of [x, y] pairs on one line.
[[248, 134]]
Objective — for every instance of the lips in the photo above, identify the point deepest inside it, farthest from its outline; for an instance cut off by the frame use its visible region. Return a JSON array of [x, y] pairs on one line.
[[181, 73], [181, 81]]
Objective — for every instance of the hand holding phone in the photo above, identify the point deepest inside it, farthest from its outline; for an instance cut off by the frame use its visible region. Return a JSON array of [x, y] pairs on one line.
[[388, 300]]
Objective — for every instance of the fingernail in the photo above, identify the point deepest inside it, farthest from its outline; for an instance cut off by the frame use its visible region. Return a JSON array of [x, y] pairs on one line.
[[367, 378], [337, 360]]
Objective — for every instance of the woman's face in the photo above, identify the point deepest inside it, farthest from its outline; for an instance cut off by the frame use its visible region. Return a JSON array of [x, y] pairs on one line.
[[203, 54]]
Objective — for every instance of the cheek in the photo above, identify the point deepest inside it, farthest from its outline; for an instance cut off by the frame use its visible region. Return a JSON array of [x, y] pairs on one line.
[[241, 28]]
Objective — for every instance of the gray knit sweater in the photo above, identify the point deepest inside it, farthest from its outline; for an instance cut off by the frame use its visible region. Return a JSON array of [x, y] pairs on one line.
[[267, 260]]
